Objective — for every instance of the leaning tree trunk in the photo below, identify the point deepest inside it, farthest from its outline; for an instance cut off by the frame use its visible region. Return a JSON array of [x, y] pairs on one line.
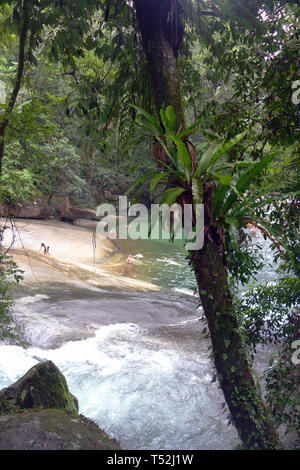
[[161, 33]]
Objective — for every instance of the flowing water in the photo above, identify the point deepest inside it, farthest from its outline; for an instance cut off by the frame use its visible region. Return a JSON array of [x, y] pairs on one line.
[[132, 352]]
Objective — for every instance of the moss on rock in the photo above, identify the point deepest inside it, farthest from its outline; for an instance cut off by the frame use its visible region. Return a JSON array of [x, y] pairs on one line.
[[57, 426], [43, 386]]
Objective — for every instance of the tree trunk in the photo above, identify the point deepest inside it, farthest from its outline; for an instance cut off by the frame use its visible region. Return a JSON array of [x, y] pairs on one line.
[[161, 35], [21, 63], [247, 409]]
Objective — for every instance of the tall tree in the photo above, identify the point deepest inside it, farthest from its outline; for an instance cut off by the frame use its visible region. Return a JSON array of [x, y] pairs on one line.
[[162, 32], [25, 20]]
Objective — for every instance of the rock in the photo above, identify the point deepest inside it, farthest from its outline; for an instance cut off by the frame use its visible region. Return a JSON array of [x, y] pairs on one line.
[[43, 386], [81, 213], [62, 207], [85, 223], [36, 209], [59, 427], [52, 430]]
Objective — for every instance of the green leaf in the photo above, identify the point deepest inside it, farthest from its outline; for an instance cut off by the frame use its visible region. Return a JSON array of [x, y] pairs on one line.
[[234, 165], [245, 180], [225, 179], [214, 153], [233, 221], [201, 146], [171, 116], [190, 129], [171, 195], [218, 198], [154, 182], [197, 190], [150, 118], [206, 159], [183, 156], [164, 119], [143, 179]]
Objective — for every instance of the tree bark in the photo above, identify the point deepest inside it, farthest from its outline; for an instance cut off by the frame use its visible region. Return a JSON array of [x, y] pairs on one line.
[[18, 80], [161, 33], [248, 411]]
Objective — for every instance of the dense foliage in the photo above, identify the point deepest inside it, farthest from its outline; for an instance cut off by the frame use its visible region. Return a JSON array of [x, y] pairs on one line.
[[75, 78], [10, 275]]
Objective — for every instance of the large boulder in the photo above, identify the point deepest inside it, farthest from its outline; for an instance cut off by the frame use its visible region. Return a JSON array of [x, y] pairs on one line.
[[52, 430], [61, 206], [43, 386], [57, 426], [81, 213], [35, 209]]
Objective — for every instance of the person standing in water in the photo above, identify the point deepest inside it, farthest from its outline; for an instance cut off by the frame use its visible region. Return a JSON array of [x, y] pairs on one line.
[[45, 248], [130, 260]]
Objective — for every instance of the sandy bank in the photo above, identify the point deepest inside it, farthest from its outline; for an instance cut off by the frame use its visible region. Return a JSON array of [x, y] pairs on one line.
[[75, 254]]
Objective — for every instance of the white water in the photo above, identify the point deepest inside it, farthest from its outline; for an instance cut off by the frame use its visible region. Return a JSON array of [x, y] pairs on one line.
[[136, 361], [145, 389]]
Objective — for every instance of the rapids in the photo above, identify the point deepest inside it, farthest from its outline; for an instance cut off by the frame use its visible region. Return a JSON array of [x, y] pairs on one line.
[[127, 338]]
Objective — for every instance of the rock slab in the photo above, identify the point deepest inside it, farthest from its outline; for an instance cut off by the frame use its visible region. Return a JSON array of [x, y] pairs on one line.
[[52, 430]]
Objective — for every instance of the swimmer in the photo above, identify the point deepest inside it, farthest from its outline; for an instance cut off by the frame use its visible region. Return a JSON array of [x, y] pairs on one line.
[[130, 260], [113, 234], [168, 261], [139, 256], [45, 249]]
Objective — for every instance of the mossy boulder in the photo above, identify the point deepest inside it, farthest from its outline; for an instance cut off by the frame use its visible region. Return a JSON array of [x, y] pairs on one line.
[[43, 386], [52, 430], [39, 413]]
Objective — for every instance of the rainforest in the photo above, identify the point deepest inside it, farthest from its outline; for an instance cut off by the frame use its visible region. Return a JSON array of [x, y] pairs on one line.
[[189, 110]]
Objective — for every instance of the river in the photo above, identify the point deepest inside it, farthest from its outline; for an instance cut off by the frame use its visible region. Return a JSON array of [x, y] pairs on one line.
[[127, 338]]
